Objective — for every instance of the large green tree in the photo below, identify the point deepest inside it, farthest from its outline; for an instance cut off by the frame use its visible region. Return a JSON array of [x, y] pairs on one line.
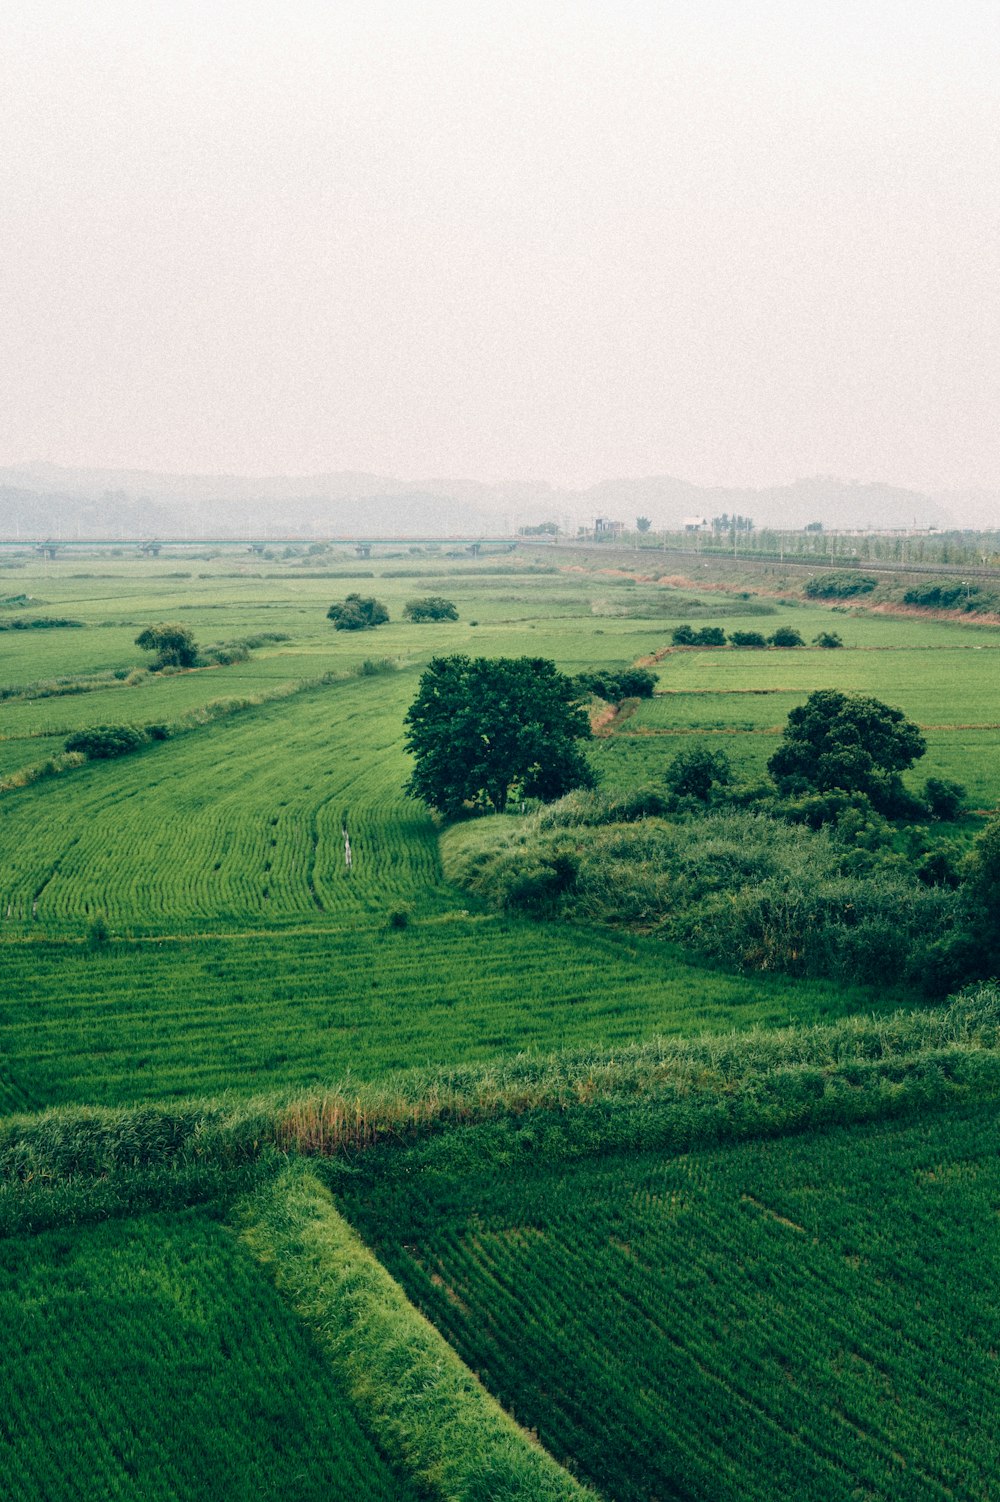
[[174, 645], [850, 742], [357, 613], [430, 608], [482, 727]]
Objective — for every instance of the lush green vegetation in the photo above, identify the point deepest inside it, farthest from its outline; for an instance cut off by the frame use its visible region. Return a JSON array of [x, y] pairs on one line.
[[743, 888], [432, 1417], [182, 922], [201, 1013], [801, 1318], [151, 1358]]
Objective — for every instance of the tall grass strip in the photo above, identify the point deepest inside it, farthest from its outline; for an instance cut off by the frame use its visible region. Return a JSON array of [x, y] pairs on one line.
[[73, 1163], [429, 1414]]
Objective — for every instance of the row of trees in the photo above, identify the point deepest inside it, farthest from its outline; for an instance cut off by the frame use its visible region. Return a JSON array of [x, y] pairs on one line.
[[364, 612], [714, 636], [486, 731]]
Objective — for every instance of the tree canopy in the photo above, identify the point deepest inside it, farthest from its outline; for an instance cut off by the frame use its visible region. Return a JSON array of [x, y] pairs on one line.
[[357, 613], [430, 608], [173, 644], [628, 683], [847, 742], [482, 728]]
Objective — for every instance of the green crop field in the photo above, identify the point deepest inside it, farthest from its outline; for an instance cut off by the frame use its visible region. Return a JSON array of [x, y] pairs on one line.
[[802, 1319], [152, 1358], [181, 923]]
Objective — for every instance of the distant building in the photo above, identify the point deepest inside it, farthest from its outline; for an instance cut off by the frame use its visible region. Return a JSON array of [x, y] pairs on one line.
[[695, 523], [605, 527]]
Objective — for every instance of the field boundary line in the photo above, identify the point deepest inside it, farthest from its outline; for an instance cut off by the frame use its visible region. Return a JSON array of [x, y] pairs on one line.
[[432, 1416]]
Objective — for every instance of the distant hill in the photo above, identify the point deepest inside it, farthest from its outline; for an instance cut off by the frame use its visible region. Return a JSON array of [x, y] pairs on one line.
[[42, 500]]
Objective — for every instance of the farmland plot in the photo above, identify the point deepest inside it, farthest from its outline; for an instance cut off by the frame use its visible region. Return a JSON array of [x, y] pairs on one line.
[[804, 1318], [152, 1358], [178, 1016]]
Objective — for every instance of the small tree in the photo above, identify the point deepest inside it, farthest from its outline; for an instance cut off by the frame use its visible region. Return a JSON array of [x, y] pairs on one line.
[[357, 613], [430, 608], [642, 523], [828, 639], [173, 644], [481, 726], [944, 798], [850, 742], [694, 774], [785, 636]]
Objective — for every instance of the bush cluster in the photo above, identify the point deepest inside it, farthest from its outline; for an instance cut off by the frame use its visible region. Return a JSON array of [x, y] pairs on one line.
[[357, 613], [39, 623], [630, 683], [430, 608], [839, 584], [101, 742], [713, 636], [952, 594], [751, 891]]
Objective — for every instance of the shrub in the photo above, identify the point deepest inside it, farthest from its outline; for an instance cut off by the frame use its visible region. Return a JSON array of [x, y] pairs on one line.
[[828, 639], [39, 623], [173, 644], [943, 797], [101, 742], [945, 594], [707, 636], [747, 639], [430, 608], [630, 683], [694, 774], [839, 584], [357, 613], [785, 636]]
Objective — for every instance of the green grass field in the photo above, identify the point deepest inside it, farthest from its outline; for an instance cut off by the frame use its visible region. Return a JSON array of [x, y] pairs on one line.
[[734, 1323], [181, 923], [153, 1358]]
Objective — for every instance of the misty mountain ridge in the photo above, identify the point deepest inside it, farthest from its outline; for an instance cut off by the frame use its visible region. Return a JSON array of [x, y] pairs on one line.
[[42, 500]]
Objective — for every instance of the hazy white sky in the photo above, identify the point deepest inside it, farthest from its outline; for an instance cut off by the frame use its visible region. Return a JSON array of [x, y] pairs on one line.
[[736, 242]]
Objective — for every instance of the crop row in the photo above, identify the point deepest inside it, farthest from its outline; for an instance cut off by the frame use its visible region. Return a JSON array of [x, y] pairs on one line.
[[153, 1358], [303, 1004], [242, 819], [807, 1319]]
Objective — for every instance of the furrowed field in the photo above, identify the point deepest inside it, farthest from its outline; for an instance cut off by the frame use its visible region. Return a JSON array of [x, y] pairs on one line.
[[152, 1358], [728, 1324], [273, 963], [797, 1317]]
